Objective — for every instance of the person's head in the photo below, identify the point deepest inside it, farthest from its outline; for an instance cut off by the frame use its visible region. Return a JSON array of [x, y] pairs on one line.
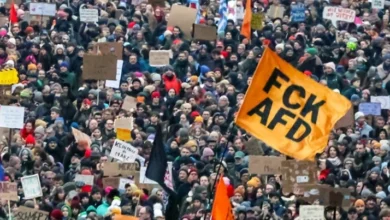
[[329, 68], [54, 113], [145, 213]]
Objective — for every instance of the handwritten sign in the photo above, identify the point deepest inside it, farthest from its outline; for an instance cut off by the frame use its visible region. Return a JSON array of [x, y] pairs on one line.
[[42, 9], [31, 186], [116, 169], [123, 151], [159, 58], [129, 103], [378, 4], [265, 165], [384, 100], [110, 181], [311, 212], [298, 12], [11, 116], [86, 179], [23, 213], [9, 191], [339, 14], [257, 21], [370, 108], [89, 15], [298, 172], [99, 67]]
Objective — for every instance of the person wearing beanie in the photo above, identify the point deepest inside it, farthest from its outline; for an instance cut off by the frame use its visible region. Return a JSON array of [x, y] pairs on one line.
[[198, 120], [56, 214], [30, 141], [353, 90], [333, 80], [311, 62], [68, 77], [360, 206], [362, 125], [254, 182], [207, 155], [31, 67]]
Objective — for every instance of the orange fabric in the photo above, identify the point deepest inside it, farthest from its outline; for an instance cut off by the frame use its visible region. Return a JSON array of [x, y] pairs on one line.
[[246, 23], [289, 111], [222, 209], [124, 217], [123, 134]]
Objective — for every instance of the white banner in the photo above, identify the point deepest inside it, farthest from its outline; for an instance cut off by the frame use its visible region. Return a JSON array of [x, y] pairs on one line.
[[43, 9], [89, 15]]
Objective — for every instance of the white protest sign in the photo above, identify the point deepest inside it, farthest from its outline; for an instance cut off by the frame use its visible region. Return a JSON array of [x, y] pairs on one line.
[[86, 179], [123, 182], [384, 100], [378, 4], [31, 186], [44, 9], [339, 14], [311, 212], [123, 151], [89, 15], [11, 116], [115, 83]]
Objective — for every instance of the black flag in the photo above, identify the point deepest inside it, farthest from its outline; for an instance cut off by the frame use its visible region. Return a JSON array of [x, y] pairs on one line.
[[158, 159]]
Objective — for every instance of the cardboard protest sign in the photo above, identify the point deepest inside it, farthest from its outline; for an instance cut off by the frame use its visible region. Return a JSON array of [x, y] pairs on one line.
[[44, 9], [205, 32], [23, 213], [347, 120], [99, 67], [129, 103], [9, 191], [159, 58], [31, 186], [123, 151], [378, 4], [384, 100], [115, 83], [86, 179], [156, 3], [111, 181], [311, 212], [335, 14], [298, 12], [109, 48], [11, 116], [78, 135], [124, 123], [370, 108], [36, 19], [89, 15], [182, 17], [298, 172], [257, 21], [281, 100], [265, 165], [116, 169], [123, 182], [254, 146]]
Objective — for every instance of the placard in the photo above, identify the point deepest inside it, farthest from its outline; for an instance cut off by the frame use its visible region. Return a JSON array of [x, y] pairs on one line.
[[9, 191], [182, 17], [123, 182], [31, 186], [298, 172], [370, 108], [86, 179], [298, 12], [384, 100], [265, 165], [110, 181], [205, 32], [23, 213], [99, 67], [37, 8], [378, 4], [123, 151], [89, 15], [253, 146], [339, 14], [129, 103], [115, 83], [257, 21], [11, 116], [116, 169], [124, 123], [311, 212], [109, 48], [159, 58], [9, 76]]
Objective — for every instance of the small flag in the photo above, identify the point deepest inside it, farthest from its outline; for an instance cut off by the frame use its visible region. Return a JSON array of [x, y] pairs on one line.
[[246, 24], [222, 209], [13, 16], [223, 13]]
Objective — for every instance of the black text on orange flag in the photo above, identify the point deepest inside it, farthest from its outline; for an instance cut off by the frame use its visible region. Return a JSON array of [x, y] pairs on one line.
[[289, 111], [222, 209]]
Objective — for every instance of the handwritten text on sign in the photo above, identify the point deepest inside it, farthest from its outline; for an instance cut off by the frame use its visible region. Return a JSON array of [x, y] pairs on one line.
[[123, 151], [339, 14]]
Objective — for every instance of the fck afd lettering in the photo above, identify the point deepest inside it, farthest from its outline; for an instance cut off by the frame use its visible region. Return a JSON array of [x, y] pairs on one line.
[[308, 105]]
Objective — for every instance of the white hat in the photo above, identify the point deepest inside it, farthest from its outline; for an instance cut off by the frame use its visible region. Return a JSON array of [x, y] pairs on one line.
[[358, 115], [10, 63], [12, 41], [157, 210]]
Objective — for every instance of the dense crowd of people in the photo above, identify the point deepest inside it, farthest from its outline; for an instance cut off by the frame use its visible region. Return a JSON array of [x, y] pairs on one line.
[[194, 101]]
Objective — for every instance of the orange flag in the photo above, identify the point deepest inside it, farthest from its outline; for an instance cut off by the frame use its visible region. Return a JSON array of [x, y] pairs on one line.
[[246, 24], [222, 209]]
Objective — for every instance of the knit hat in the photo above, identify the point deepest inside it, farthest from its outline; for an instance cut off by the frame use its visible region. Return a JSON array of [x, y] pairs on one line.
[[358, 115], [194, 78], [385, 147], [331, 65], [359, 202], [32, 66], [65, 64], [355, 98], [377, 159], [239, 154], [240, 190], [198, 119], [56, 214], [381, 195], [375, 170], [254, 182], [30, 139], [156, 94], [156, 77], [312, 51], [12, 41], [207, 152], [26, 93]]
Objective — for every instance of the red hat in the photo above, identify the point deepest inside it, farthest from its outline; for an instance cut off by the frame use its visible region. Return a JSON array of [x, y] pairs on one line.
[[202, 21], [131, 24], [56, 214], [30, 139], [194, 114], [156, 94], [191, 170], [88, 153], [307, 73], [87, 102]]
